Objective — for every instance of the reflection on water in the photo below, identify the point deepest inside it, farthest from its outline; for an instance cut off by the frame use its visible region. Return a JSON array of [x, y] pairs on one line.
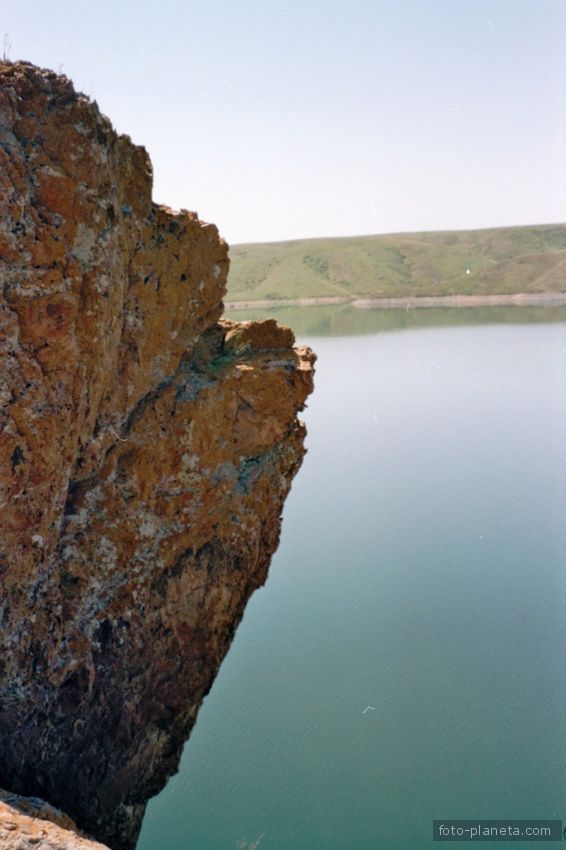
[[421, 572], [345, 320]]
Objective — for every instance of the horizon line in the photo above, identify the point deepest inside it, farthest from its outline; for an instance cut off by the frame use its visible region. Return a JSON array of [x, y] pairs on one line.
[[399, 233]]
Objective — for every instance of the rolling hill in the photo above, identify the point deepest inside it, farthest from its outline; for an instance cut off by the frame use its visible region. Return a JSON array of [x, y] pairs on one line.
[[474, 262]]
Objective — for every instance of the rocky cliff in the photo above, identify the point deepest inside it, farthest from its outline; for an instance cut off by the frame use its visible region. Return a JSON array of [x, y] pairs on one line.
[[31, 824], [146, 450]]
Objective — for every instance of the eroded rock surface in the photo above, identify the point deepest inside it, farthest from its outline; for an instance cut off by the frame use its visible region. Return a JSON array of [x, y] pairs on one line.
[[146, 450], [28, 823]]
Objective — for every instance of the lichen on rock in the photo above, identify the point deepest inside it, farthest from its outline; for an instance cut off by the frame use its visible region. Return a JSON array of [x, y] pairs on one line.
[[146, 450]]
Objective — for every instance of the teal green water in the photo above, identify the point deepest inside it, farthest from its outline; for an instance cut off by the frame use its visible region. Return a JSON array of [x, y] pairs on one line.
[[422, 572]]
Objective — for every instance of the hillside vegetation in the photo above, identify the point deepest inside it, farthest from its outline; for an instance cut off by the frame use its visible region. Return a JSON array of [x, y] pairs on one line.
[[473, 262]]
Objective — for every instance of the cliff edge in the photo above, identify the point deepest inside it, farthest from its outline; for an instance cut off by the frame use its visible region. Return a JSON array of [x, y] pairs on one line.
[[28, 823], [146, 450]]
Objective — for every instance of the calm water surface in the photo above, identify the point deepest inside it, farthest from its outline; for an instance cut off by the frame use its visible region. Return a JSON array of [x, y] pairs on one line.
[[421, 571]]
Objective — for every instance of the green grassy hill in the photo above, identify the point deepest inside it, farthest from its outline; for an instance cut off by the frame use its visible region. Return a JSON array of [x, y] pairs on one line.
[[500, 261]]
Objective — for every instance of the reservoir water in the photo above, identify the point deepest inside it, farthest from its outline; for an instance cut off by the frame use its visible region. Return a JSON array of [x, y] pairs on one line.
[[421, 572]]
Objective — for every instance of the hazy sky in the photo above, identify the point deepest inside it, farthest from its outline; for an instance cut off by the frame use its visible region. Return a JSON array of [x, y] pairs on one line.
[[282, 119]]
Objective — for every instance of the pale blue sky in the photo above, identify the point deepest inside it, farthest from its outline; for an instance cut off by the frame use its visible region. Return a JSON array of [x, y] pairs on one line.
[[281, 120]]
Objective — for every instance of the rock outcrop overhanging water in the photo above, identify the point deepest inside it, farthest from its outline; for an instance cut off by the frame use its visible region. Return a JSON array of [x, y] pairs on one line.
[[146, 450]]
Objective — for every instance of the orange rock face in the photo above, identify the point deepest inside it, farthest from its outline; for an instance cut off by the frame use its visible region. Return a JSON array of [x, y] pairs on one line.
[[31, 824], [146, 450]]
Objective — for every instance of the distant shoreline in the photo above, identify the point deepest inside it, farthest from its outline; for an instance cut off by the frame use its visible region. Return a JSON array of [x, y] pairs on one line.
[[518, 299]]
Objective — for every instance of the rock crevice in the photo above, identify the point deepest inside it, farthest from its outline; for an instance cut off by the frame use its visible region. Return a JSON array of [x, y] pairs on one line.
[[146, 450]]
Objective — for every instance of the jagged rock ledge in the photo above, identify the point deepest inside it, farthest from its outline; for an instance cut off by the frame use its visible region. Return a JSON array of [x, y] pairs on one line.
[[146, 450], [28, 823]]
